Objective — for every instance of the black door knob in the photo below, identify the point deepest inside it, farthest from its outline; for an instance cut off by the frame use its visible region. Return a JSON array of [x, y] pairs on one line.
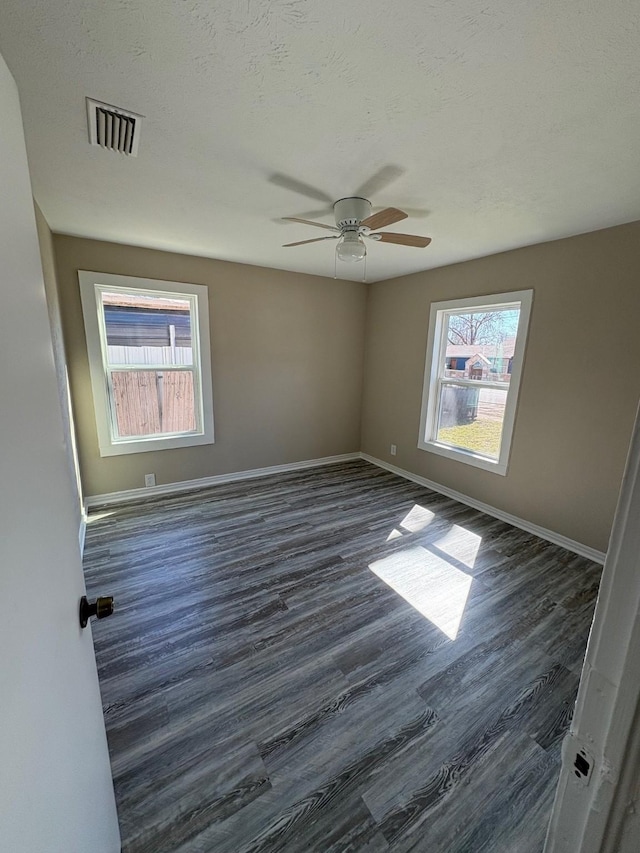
[[100, 608]]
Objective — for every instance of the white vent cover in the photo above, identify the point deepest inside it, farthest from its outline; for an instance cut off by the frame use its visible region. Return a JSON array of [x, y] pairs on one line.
[[113, 128]]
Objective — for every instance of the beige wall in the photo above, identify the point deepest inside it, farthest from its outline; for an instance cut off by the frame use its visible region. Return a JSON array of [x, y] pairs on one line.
[[580, 384], [287, 357], [47, 257], [287, 360]]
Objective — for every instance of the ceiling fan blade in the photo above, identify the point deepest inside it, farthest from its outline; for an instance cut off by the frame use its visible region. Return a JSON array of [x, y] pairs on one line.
[[313, 215], [402, 239], [379, 181], [296, 186], [309, 222], [384, 217], [315, 240]]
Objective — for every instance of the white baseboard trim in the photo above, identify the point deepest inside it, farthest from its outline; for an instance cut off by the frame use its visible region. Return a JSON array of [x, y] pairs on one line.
[[129, 495], [204, 482], [529, 526]]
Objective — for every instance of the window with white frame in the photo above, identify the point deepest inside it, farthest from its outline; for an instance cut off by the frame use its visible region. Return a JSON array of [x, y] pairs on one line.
[[475, 353], [149, 355]]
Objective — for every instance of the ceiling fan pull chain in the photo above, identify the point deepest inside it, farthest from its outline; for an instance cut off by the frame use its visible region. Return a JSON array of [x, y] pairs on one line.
[[364, 274], [335, 265]]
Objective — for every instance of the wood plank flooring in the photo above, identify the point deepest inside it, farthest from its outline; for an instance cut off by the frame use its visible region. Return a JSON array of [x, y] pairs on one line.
[[333, 660]]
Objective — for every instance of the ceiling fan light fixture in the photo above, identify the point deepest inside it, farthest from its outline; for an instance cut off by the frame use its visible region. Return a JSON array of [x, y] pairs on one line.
[[351, 248]]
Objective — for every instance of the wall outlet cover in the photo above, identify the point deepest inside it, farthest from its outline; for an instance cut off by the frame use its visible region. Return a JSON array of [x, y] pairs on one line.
[[394, 449], [149, 479], [582, 766]]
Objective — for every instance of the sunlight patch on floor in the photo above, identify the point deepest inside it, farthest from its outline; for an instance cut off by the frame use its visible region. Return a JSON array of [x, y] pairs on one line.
[[436, 589], [98, 516], [417, 519], [460, 543]]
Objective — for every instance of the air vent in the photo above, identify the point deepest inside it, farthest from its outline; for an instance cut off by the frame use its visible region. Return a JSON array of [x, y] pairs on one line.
[[113, 128]]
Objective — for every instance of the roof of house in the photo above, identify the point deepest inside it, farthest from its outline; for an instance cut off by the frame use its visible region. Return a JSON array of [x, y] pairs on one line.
[[478, 357], [138, 300], [503, 350]]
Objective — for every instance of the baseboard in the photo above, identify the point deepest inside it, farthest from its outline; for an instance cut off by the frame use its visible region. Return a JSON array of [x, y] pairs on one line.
[[129, 495], [204, 482], [530, 527]]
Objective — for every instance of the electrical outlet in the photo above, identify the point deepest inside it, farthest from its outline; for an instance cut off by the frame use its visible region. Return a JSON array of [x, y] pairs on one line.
[[394, 450], [149, 479]]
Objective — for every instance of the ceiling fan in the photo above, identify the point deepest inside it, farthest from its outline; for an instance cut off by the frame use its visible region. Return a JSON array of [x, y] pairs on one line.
[[354, 221]]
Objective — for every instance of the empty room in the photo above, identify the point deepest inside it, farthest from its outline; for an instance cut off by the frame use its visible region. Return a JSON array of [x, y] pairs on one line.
[[319, 446]]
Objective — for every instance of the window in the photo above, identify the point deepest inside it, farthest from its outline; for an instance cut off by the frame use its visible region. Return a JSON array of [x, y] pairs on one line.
[[148, 345], [474, 360]]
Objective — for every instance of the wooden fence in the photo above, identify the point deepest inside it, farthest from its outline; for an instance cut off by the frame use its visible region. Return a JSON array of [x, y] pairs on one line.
[[148, 402]]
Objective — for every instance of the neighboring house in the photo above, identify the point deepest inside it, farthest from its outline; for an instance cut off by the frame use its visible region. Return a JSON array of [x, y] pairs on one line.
[[478, 367], [136, 322], [481, 361]]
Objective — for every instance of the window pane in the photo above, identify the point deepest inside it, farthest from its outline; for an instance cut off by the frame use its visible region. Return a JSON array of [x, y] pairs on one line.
[[472, 418], [480, 345], [144, 329], [151, 402]]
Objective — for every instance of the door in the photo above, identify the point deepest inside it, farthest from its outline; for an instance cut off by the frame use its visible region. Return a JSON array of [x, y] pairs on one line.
[[56, 793], [598, 799]]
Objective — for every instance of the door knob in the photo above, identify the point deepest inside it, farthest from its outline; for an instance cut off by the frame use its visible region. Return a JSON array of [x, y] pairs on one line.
[[100, 608]]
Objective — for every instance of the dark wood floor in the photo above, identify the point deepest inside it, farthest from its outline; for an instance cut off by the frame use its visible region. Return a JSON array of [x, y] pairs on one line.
[[267, 686]]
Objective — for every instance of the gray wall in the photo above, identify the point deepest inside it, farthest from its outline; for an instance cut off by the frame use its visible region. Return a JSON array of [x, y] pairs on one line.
[[580, 384], [287, 361]]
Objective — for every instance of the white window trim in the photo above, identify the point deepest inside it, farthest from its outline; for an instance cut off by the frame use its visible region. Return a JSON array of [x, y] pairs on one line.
[[91, 283], [428, 412]]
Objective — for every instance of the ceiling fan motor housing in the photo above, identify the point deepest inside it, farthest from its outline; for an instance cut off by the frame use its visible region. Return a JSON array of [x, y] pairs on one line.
[[350, 212]]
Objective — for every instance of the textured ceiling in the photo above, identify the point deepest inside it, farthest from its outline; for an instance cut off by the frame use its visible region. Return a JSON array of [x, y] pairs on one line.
[[497, 124]]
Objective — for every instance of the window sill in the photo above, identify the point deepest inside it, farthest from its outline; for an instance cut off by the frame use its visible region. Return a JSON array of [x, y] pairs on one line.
[[465, 456], [145, 445]]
